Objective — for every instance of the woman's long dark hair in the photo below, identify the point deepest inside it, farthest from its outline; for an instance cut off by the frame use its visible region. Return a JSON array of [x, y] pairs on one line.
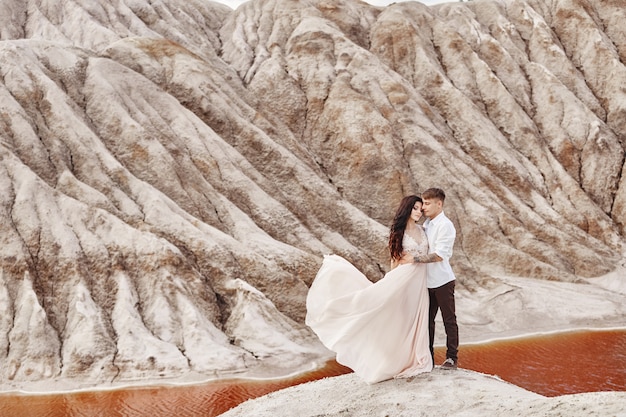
[[399, 225]]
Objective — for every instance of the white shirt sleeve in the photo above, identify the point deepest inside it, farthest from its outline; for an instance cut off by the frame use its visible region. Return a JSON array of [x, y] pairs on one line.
[[443, 240], [441, 234]]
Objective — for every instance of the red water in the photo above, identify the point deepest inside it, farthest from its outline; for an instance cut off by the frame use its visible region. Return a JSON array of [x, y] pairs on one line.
[[552, 365], [206, 400]]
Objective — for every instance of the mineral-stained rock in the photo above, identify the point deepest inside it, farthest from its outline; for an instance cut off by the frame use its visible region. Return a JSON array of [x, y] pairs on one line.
[[171, 173]]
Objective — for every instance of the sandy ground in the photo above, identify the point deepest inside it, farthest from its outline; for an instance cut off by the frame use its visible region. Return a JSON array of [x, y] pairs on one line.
[[440, 393]]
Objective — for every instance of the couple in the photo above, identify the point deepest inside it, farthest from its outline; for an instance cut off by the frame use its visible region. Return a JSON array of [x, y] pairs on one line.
[[386, 329]]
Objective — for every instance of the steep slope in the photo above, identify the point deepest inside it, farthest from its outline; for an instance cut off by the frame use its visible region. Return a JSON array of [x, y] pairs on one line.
[[172, 172]]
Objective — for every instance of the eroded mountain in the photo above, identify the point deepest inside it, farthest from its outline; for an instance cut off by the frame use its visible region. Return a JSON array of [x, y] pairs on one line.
[[171, 173]]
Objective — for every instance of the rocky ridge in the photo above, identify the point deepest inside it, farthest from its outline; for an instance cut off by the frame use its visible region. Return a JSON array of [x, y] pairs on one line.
[[172, 172]]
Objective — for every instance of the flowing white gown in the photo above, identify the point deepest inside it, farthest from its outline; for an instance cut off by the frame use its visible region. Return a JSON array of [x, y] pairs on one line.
[[379, 330]]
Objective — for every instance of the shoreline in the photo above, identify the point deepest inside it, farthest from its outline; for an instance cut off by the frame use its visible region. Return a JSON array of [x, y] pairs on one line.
[[542, 333], [195, 379]]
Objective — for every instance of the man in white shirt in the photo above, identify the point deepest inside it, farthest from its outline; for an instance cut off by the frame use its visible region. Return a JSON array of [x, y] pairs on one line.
[[440, 279]]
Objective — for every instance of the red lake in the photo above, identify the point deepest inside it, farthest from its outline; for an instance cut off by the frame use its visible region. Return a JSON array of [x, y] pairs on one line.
[[551, 365]]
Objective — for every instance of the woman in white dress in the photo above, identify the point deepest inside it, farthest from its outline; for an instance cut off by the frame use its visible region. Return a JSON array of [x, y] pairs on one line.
[[379, 330]]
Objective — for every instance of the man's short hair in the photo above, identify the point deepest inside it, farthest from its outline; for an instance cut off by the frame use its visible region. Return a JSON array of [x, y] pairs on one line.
[[434, 194]]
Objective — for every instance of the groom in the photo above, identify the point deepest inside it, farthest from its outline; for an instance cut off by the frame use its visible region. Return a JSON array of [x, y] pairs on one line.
[[441, 280]]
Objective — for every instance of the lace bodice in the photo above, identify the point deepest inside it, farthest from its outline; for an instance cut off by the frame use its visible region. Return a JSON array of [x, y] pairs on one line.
[[415, 243]]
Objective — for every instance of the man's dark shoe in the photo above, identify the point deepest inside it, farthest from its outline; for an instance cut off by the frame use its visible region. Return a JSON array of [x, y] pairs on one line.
[[449, 364]]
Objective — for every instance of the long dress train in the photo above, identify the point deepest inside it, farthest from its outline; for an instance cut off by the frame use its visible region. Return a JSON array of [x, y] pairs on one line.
[[379, 330]]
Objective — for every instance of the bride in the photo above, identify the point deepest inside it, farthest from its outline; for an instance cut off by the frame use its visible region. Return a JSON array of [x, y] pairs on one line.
[[379, 330]]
